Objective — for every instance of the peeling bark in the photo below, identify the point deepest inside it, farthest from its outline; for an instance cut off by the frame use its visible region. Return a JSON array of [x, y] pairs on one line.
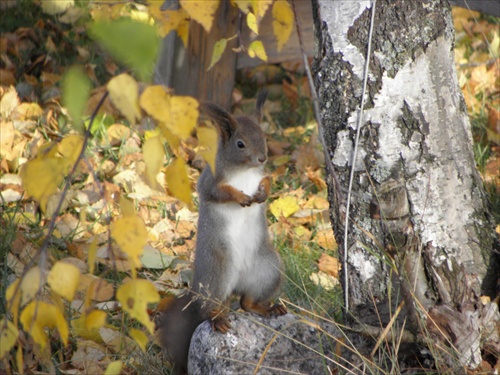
[[418, 208]]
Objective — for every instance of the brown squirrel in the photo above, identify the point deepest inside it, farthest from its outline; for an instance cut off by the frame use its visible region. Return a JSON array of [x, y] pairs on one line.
[[234, 254]]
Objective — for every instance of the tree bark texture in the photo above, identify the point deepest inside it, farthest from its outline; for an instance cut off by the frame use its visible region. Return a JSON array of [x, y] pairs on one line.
[[419, 228]]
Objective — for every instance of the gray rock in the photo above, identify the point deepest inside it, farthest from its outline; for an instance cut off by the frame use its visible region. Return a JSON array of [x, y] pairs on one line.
[[293, 346]]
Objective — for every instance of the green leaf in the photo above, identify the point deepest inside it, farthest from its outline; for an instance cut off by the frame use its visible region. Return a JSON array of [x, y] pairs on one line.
[[76, 90], [135, 44]]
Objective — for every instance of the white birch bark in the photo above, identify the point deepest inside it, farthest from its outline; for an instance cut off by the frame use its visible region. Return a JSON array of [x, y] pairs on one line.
[[418, 201]]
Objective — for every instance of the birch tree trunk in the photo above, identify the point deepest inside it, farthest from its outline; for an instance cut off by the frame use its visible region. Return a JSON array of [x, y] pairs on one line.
[[419, 227]]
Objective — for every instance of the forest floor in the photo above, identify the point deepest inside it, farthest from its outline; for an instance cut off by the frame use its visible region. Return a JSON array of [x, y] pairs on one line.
[[36, 49]]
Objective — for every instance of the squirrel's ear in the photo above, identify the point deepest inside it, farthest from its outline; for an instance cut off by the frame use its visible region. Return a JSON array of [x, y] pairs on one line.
[[223, 120], [261, 98]]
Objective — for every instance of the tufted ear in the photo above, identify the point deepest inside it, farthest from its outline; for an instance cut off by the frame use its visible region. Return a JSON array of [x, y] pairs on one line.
[[223, 120], [261, 98]]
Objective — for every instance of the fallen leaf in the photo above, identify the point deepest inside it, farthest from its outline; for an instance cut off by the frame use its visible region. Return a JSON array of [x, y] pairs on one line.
[[154, 259], [329, 265], [54, 7], [284, 207], [114, 368], [327, 282], [9, 102]]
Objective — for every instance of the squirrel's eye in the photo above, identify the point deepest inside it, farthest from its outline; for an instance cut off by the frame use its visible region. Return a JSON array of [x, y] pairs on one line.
[[240, 144]]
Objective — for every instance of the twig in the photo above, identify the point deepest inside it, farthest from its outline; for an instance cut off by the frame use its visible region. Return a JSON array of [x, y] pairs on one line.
[[355, 156], [43, 253]]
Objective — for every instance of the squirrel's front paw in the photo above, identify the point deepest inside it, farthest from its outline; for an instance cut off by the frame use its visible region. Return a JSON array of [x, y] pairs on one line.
[[261, 195], [245, 200]]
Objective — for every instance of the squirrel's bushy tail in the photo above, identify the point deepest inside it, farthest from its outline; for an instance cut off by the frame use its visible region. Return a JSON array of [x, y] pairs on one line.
[[176, 325]]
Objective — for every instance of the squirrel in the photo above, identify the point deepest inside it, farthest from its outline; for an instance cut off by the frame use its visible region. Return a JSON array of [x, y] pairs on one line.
[[234, 253]]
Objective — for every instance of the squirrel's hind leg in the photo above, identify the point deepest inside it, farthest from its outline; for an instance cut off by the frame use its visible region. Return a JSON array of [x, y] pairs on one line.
[[218, 318], [262, 308]]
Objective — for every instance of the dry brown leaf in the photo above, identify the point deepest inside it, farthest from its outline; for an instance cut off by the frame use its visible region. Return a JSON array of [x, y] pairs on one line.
[[7, 78], [305, 157], [9, 102], [117, 133], [277, 148], [7, 139], [316, 178], [326, 239], [329, 265]]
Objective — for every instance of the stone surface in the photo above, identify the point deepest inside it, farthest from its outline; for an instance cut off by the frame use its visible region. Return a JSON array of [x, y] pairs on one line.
[[293, 344]]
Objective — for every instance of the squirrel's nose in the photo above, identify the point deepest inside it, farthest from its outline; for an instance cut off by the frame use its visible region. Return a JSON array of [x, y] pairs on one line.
[[262, 159]]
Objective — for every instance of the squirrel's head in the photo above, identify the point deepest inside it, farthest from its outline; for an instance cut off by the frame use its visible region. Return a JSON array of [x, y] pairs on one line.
[[242, 141]]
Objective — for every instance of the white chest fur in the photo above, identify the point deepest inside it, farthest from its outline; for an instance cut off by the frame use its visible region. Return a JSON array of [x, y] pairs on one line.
[[247, 180], [243, 225]]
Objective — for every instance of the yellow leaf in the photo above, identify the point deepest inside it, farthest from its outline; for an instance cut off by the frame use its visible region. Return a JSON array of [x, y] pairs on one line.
[[207, 143], [114, 368], [252, 23], [243, 5], [219, 48], [284, 206], [92, 254], [8, 336], [177, 179], [95, 319], [13, 299], [183, 32], [70, 147], [127, 207], [184, 115], [153, 154], [53, 7], [27, 111], [41, 177], [173, 141], [260, 7], [140, 338], [170, 20], [256, 48], [37, 316], [155, 100], [63, 279], [131, 235], [87, 326], [178, 114], [282, 22], [30, 284], [202, 11], [124, 93], [19, 358], [134, 297]]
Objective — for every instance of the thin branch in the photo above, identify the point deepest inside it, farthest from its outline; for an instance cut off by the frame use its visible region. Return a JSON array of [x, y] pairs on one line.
[[355, 156]]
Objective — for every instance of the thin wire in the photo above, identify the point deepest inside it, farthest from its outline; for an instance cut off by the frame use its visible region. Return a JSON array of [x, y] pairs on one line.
[[355, 156]]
